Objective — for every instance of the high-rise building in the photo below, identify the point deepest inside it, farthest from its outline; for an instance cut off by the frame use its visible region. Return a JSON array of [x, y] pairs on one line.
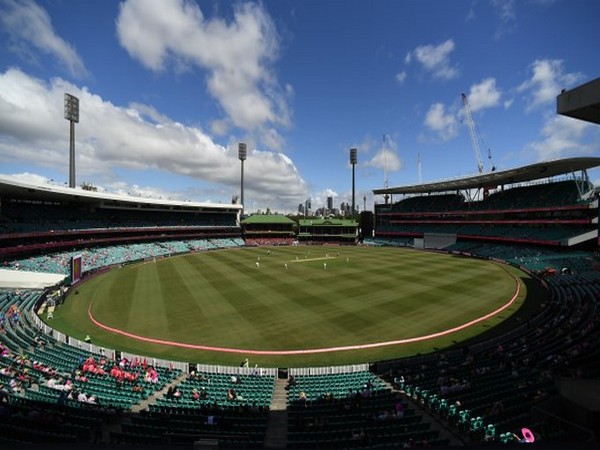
[[343, 208], [330, 203]]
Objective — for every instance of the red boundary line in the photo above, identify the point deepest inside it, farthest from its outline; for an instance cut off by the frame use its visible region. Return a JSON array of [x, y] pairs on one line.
[[312, 350]]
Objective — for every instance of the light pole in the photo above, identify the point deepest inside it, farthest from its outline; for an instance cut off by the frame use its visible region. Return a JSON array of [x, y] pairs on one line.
[[353, 161], [72, 115], [242, 157]]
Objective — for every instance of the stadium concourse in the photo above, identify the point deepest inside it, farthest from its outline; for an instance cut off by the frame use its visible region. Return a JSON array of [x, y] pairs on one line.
[[528, 380]]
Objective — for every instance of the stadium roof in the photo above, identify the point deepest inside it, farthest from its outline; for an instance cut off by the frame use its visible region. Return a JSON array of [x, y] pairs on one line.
[[268, 218], [21, 279], [490, 180], [10, 188], [582, 102]]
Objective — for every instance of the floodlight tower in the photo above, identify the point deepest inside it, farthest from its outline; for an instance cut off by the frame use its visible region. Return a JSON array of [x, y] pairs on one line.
[[72, 115], [242, 157], [353, 162]]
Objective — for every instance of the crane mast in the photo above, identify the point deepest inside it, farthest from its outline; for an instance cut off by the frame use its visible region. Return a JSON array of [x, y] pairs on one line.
[[473, 133], [385, 177]]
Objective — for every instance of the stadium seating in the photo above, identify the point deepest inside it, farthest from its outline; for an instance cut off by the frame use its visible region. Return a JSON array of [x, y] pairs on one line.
[[483, 392], [430, 203], [548, 213], [99, 257], [503, 379], [251, 390], [496, 384], [361, 418]]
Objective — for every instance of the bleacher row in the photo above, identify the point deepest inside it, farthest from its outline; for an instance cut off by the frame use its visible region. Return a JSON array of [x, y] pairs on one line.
[[534, 258], [537, 259], [117, 254]]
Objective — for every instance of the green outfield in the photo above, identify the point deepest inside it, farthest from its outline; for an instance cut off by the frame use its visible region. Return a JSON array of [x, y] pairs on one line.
[[291, 302]]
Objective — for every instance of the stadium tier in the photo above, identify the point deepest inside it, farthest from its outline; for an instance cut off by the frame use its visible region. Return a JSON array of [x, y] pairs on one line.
[[524, 206], [45, 219]]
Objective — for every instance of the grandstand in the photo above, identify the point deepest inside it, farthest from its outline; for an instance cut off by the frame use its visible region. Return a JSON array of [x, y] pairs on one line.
[[268, 229], [544, 219], [499, 383], [321, 231], [531, 374], [548, 205], [42, 219]]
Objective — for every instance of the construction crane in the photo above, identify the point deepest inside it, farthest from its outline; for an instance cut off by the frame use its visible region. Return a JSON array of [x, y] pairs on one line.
[[475, 137], [385, 177]]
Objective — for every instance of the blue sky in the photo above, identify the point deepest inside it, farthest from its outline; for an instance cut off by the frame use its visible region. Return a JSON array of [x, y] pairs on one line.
[[168, 88]]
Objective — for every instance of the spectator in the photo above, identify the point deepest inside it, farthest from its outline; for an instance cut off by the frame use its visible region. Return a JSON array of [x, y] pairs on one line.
[[231, 395], [4, 394]]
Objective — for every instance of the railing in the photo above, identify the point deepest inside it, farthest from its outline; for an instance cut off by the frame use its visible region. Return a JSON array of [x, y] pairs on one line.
[[330, 370]]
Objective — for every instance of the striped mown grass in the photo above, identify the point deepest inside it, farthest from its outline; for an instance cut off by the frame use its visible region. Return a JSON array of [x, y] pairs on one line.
[[222, 299]]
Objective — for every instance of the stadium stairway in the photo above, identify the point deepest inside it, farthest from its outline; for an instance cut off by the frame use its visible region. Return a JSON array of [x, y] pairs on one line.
[[144, 404], [277, 426]]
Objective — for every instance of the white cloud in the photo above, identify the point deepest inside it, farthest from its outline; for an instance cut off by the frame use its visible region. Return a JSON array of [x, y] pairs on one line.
[[238, 55], [111, 137], [564, 136], [135, 190], [272, 139], [436, 59], [546, 82], [470, 14], [507, 17], [29, 27], [319, 199], [441, 122], [506, 14], [28, 178], [387, 159], [114, 187], [484, 95], [219, 127], [400, 77]]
